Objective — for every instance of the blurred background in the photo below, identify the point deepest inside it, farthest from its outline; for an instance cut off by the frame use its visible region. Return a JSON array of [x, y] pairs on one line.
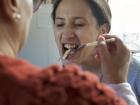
[[126, 21], [41, 49]]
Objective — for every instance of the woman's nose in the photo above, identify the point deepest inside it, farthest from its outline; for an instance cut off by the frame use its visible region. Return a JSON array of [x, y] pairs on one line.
[[68, 34]]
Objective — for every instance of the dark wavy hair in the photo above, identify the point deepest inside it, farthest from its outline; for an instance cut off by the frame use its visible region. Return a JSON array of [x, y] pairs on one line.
[[100, 9]]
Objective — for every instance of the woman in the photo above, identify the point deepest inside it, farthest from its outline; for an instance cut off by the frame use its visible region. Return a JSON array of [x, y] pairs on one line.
[[82, 21], [24, 84]]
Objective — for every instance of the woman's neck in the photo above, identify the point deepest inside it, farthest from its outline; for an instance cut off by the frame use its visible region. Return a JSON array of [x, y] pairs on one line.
[[6, 49], [7, 53], [8, 46]]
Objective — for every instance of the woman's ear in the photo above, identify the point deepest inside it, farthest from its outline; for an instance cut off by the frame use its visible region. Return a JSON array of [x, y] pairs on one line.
[[11, 9], [104, 29]]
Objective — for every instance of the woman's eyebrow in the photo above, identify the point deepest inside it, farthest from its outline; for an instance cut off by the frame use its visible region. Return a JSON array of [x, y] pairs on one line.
[[73, 17], [78, 18]]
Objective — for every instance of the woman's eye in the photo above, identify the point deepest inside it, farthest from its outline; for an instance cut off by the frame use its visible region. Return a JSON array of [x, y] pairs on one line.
[[80, 25], [59, 25]]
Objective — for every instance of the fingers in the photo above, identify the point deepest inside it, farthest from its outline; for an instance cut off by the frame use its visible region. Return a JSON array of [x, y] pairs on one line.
[[103, 49], [114, 59], [117, 41], [115, 46]]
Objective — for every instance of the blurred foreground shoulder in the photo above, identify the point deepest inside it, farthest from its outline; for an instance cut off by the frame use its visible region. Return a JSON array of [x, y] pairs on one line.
[[25, 84]]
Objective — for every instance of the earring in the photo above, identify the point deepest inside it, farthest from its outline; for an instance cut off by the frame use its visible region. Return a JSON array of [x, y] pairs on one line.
[[16, 17]]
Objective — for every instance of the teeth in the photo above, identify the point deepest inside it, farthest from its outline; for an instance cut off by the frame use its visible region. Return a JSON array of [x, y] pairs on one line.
[[70, 46]]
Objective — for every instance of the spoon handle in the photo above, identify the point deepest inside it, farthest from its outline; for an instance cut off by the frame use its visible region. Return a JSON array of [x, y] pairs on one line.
[[96, 43]]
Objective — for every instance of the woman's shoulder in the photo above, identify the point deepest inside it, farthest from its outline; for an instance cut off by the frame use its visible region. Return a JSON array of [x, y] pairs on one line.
[[134, 70], [16, 68], [18, 81], [134, 75], [135, 63]]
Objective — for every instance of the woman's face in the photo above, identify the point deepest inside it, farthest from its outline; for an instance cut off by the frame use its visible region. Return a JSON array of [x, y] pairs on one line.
[[75, 25]]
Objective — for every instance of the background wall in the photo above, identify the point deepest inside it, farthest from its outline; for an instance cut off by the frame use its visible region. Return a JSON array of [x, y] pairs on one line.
[[41, 48], [126, 21]]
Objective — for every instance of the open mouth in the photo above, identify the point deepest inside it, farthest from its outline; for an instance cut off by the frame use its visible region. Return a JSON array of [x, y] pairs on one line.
[[69, 49]]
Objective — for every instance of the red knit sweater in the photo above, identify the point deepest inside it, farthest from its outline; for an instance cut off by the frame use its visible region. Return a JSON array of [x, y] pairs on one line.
[[24, 84]]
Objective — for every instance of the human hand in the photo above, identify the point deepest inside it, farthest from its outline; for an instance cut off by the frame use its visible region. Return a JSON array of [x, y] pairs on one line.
[[114, 58]]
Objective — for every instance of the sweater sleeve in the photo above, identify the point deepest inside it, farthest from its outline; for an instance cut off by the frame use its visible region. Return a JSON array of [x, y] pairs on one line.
[[124, 90], [18, 82]]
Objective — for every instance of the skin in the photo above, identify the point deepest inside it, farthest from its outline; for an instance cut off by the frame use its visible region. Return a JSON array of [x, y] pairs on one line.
[[113, 71], [74, 24], [77, 25], [14, 33]]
